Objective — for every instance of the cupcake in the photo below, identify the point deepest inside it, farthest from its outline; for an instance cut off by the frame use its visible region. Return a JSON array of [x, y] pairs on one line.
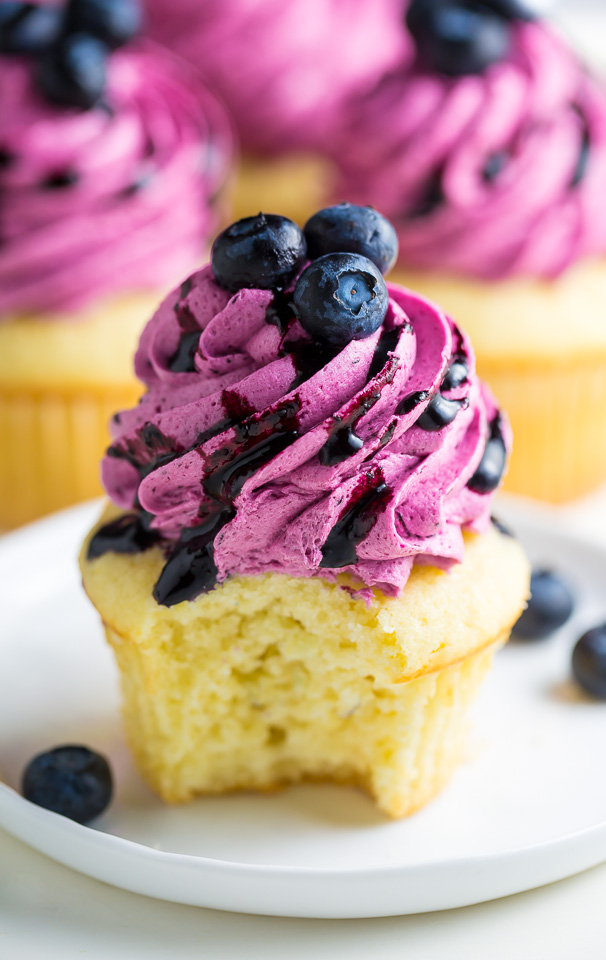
[[298, 572], [284, 68], [489, 156], [110, 165]]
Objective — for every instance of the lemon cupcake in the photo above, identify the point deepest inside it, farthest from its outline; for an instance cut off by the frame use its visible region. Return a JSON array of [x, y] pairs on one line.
[[489, 155], [298, 573], [110, 164], [284, 69]]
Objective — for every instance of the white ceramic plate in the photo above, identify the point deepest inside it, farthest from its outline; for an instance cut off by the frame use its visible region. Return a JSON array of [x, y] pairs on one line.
[[528, 808]]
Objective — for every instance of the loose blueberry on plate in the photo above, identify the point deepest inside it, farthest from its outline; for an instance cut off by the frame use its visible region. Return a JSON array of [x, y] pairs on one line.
[[589, 662], [27, 28], [458, 37], [550, 606], [265, 251], [348, 228], [71, 780], [341, 297], [72, 73], [113, 21]]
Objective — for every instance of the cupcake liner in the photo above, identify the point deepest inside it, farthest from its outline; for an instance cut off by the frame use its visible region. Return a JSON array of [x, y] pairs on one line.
[[558, 415], [402, 745], [51, 446]]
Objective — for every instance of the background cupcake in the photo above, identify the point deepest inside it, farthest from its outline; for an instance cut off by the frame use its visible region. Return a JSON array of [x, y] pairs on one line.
[[110, 165], [284, 69], [489, 155]]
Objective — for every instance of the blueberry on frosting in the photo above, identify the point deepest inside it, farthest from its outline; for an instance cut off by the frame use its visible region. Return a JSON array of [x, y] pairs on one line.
[[113, 21], [348, 228], [341, 297], [26, 28], [459, 37], [72, 73], [265, 252]]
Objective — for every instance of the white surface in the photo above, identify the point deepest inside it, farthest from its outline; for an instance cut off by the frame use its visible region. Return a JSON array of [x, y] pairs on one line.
[[309, 851]]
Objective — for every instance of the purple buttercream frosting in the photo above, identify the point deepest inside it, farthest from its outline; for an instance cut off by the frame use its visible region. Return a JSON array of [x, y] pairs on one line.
[[489, 175], [117, 198], [255, 431]]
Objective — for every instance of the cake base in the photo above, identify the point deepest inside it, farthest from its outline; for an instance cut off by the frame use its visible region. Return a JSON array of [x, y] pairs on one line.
[[270, 680]]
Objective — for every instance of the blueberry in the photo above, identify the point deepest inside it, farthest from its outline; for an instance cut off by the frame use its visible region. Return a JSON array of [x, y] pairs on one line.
[[72, 74], [458, 37], [265, 251], [72, 780], [589, 661], [550, 606], [494, 460], [341, 297], [113, 21], [347, 228], [28, 28]]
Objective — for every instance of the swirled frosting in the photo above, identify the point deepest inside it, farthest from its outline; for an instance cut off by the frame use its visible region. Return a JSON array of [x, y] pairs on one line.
[[118, 198], [283, 67], [489, 175], [284, 457]]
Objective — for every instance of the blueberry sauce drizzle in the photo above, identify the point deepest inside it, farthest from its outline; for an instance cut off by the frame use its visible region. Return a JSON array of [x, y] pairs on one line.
[[130, 533], [190, 568], [582, 166], [343, 441], [183, 360], [494, 459], [149, 450], [354, 525], [60, 179], [440, 412], [280, 312], [408, 404], [430, 200], [494, 166]]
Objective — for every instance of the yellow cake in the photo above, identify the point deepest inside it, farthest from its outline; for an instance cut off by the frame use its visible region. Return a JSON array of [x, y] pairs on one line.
[[269, 680]]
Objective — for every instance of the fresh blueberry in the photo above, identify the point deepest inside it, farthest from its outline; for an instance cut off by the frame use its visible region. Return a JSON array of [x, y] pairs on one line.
[[72, 74], [265, 251], [341, 297], [347, 228], [550, 606], [113, 21], [28, 28], [494, 460], [589, 661], [458, 37], [72, 780]]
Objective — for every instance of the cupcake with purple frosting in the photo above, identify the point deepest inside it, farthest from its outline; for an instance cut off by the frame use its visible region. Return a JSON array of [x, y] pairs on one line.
[[112, 155], [489, 156], [298, 572], [284, 68]]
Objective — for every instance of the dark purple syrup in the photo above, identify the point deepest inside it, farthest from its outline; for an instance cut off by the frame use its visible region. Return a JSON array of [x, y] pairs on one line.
[[408, 404], [183, 360], [280, 312], [147, 450], [582, 165], [190, 569], [430, 200], [130, 533], [494, 459], [356, 522]]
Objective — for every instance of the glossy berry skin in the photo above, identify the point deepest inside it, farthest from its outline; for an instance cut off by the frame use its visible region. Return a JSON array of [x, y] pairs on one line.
[[491, 467], [72, 74], [348, 228], [458, 37], [27, 28], [71, 780], [550, 606], [113, 21], [589, 662], [265, 251], [340, 297]]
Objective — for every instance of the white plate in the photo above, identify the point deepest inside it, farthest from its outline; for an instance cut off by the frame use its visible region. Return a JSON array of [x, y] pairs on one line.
[[528, 808]]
